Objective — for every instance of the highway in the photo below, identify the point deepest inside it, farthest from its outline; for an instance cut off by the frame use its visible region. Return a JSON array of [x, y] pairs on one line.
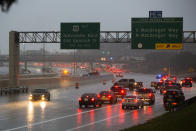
[[62, 112]]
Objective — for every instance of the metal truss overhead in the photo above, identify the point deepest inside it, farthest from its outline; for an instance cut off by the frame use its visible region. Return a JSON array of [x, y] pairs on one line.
[[105, 37]]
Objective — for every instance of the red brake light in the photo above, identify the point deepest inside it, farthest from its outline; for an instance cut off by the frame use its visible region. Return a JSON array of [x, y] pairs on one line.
[[80, 99], [92, 99], [122, 91], [98, 96], [170, 82], [187, 78], [191, 81], [116, 86], [183, 81], [144, 88], [87, 96], [161, 81], [109, 96], [164, 91], [150, 94], [135, 100], [174, 92], [174, 103]]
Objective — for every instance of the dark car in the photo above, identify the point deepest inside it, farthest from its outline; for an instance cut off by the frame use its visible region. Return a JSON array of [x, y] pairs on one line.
[[40, 94], [119, 91], [146, 94], [132, 102], [187, 82], [89, 99], [173, 98], [107, 96], [170, 86]]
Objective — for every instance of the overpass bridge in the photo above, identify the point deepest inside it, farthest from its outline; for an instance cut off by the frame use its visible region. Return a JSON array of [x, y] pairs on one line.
[[15, 38]]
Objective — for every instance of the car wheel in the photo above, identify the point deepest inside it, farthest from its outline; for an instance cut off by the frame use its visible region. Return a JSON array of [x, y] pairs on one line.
[[80, 105]]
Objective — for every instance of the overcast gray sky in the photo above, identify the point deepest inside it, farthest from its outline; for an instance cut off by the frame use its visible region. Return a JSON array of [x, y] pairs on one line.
[[46, 15]]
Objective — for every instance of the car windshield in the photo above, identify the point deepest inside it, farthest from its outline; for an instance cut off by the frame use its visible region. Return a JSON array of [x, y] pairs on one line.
[[39, 91], [105, 93], [144, 91]]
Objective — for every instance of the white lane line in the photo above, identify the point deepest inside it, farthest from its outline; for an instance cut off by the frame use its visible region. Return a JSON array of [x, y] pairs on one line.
[[58, 118], [99, 121]]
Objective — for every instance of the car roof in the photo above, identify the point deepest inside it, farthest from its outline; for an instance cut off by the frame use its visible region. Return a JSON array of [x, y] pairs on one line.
[[89, 94]]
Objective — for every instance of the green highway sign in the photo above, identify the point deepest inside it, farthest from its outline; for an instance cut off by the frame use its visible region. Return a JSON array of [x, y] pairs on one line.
[[80, 35], [150, 33]]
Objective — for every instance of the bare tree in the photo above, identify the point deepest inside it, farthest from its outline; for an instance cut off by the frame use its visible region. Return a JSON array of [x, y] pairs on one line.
[[6, 4]]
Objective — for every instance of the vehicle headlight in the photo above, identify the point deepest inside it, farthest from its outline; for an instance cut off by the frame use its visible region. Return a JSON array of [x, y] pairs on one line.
[[30, 97], [43, 97], [135, 83]]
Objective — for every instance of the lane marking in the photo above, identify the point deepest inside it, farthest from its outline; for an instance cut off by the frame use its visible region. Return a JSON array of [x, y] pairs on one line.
[[58, 118], [99, 121]]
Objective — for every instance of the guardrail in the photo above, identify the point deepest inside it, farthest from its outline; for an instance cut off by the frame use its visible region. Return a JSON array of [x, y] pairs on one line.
[[10, 91]]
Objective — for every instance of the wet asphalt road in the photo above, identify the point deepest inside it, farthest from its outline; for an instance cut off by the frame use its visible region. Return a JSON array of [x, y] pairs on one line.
[[62, 112]]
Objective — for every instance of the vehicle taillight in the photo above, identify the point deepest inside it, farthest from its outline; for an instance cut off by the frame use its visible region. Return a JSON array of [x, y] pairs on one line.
[[191, 81], [123, 100], [98, 95], [109, 96], [150, 94], [80, 99], [122, 91], [135, 100], [174, 78], [183, 81], [92, 99], [187, 78], [174, 103], [174, 92], [164, 91], [116, 86], [161, 81], [170, 82]]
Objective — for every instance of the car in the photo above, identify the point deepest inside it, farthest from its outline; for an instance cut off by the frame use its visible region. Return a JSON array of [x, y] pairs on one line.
[[132, 102], [119, 91], [187, 82], [40, 94], [170, 86], [147, 95], [119, 75], [173, 98], [137, 85], [88, 99], [107, 96]]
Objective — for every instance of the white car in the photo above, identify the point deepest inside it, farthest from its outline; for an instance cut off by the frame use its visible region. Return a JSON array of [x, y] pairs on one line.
[[132, 102]]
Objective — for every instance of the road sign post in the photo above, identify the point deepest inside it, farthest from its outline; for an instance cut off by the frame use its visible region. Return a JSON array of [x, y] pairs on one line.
[[157, 33], [80, 35]]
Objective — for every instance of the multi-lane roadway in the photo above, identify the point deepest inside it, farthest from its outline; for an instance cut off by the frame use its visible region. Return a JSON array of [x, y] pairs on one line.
[[63, 113]]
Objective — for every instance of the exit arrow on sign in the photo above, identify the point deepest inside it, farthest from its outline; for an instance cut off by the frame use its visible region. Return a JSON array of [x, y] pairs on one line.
[[168, 46]]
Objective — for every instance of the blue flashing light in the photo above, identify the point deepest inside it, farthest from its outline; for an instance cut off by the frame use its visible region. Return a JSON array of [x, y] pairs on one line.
[[111, 58]]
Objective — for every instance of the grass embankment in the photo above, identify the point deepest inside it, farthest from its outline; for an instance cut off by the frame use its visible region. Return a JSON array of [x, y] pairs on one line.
[[182, 120]]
